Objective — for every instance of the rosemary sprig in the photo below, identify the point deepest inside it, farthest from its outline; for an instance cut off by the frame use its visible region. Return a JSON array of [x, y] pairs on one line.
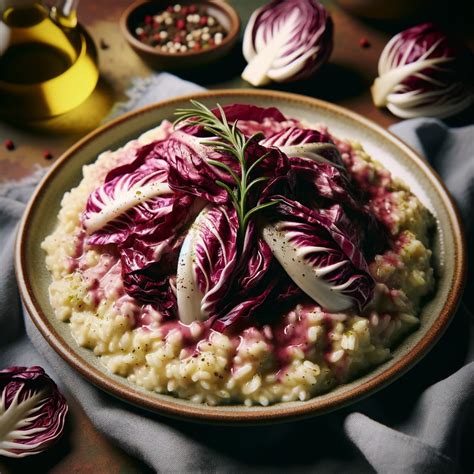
[[232, 141]]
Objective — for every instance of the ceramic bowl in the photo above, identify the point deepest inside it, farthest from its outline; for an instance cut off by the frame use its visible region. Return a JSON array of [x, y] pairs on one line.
[[158, 59], [448, 254]]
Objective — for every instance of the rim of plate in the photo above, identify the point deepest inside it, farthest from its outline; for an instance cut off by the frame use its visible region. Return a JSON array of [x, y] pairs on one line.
[[280, 412]]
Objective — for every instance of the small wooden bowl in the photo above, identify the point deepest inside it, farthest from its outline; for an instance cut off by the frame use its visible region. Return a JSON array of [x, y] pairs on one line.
[[158, 59]]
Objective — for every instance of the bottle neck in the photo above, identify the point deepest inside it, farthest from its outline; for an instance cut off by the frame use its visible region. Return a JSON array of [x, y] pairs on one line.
[[64, 12]]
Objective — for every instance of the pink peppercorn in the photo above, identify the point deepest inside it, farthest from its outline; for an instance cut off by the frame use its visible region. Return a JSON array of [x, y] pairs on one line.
[[364, 42], [203, 21], [181, 24], [192, 9], [47, 155], [148, 19], [9, 145]]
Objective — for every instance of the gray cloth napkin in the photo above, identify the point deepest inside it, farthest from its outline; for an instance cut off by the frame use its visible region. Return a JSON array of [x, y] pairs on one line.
[[421, 423]]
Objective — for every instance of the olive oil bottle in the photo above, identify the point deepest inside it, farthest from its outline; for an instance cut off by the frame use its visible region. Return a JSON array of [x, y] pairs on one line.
[[48, 64]]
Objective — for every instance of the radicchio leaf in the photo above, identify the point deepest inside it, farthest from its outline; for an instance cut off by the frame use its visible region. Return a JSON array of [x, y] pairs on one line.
[[145, 229], [259, 283], [215, 282], [251, 119], [321, 179], [206, 263], [245, 112], [190, 171], [322, 185], [314, 161], [32, 411], [305, 143], [318, 250], [149, 262], [132, 196], [255, 260]]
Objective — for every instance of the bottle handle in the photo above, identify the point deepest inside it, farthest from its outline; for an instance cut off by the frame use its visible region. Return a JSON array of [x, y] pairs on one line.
[[64, 12]]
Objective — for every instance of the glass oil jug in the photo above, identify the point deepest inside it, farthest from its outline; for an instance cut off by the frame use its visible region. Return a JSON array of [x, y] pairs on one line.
[[48, 63]]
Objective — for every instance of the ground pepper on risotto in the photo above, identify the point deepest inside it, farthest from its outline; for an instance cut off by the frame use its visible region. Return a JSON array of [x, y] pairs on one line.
[[263, 262]]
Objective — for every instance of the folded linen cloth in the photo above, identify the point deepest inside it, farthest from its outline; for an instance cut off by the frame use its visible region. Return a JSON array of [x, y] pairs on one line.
[[421, 423]]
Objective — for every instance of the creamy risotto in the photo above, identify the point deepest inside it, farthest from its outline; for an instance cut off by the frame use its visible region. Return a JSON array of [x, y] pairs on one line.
[[296, 350]]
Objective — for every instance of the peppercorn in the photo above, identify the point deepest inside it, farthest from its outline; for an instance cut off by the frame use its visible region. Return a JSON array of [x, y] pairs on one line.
[[9, 145], [190, 28], [364, 42]]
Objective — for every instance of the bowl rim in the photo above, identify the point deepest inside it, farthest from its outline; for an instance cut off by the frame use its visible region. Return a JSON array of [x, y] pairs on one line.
[[273, 413], [225, 7]]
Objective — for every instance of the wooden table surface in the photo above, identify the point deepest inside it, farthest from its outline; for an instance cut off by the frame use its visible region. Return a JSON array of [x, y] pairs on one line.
[[344, 81]]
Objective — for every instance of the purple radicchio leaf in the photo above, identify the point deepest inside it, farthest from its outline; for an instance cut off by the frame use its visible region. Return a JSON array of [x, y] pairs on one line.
[[190, 171], [206, 263], [319, 178], [147, 229], [149, 262], [215, 282], [316, 165], [132, 196], [259, 283], [323, 185], [251, 119], [305, 143], [246, 112], [319, 251], [32, 411]]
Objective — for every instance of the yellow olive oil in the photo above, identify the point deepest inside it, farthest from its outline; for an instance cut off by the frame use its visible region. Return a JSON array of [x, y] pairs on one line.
[[46, 68]]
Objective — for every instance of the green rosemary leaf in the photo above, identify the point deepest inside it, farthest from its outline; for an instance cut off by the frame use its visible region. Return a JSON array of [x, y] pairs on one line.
[[229, 190], [217, 144], [225, 167], [257, 209], [256, 181], [257, 162], [223, 118]]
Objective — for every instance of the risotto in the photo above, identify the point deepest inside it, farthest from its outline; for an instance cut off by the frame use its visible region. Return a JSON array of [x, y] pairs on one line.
[[285, 351]]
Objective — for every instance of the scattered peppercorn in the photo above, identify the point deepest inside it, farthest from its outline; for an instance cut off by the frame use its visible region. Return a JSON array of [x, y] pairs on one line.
[[103, 44], [364, 42], [47, 155], [181, 28], [9, 145]]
